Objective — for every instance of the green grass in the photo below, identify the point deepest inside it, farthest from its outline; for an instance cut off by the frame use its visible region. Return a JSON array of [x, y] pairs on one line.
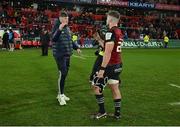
[[28, 89]]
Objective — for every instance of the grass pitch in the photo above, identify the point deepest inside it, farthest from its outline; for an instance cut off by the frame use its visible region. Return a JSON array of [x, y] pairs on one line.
[[28, 89]]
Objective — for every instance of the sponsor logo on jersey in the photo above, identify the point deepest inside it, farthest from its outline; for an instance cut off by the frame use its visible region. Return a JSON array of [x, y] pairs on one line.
[[108, 35]]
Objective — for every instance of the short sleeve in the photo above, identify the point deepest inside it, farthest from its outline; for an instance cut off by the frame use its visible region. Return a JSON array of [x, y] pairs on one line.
[[109, 37]]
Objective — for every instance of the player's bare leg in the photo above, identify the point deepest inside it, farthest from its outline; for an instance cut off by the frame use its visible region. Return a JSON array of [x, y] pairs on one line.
[[115, 91]]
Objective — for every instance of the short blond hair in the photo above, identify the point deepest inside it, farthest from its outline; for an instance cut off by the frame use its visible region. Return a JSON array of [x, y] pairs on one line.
[[114, 14]]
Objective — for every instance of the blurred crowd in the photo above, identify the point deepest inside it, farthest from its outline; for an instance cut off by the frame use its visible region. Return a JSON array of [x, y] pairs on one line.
[[84, 20], [172, 2]]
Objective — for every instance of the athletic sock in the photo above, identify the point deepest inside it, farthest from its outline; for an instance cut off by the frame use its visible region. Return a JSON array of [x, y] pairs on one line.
[[100, 101], [117, 105]]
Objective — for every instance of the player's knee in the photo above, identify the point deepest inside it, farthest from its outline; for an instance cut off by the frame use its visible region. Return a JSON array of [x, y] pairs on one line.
[[64, 73], [114, 87], [93, 87], [96, 90], [116, 91]]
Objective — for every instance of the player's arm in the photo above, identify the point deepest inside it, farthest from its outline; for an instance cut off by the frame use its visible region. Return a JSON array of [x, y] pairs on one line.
[[76, 47], [109, 45], [107, 54], [106, 58], [57, 31], [101, 42], [97, 37]]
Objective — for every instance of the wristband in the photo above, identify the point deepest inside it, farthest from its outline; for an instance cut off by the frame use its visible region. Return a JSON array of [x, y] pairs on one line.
[[102, 68]]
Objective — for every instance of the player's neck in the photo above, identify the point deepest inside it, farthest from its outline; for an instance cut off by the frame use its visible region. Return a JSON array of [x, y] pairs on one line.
[[112, 25]]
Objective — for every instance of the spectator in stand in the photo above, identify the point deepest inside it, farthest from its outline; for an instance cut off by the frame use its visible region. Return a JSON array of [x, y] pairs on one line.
[[5, 40], [166, 41], [74, 38], [146, 40], [11, 40], [23, 20], [82, 41], [175, 35], [91, 18], [125, 35], [45, 40]]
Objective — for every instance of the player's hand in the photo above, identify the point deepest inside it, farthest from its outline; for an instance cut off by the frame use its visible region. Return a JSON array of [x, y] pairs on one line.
[[100, 74], [61, 26], [79, 51]]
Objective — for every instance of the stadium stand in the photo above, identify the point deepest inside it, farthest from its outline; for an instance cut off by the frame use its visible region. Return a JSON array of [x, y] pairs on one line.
[[133, 22]]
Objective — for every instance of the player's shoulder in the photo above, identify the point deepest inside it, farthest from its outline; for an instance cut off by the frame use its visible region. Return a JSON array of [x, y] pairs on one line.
[[109, 34], [56, 24], [116, 30]]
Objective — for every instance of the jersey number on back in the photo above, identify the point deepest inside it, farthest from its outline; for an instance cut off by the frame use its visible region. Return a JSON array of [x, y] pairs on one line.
[[118, 47]]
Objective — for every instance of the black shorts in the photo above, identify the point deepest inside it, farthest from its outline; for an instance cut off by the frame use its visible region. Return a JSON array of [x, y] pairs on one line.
[[113, 73], [96, 66], [111, 77]]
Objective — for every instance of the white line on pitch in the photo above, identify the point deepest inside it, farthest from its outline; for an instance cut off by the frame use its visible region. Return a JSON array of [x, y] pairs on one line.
[[175, 85], [175, 103], [88, 56], [79, 57]]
